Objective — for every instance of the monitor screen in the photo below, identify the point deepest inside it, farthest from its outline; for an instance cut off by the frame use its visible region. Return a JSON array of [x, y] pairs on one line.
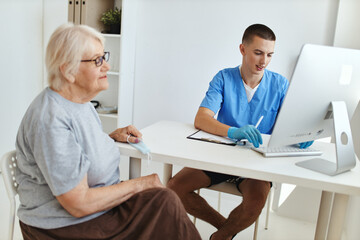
[[322, 74]]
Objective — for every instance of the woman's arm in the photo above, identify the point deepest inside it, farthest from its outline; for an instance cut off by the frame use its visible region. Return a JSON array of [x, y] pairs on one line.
[[82, 200]]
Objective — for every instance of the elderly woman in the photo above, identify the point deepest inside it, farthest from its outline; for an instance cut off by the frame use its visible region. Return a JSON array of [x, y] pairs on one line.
[[68, 168]]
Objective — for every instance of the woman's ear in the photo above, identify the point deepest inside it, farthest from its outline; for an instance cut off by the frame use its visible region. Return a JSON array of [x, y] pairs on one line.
[[66, 75]]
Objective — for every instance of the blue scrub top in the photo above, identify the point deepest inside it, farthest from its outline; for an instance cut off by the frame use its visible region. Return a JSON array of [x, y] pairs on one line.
[[226, 95]]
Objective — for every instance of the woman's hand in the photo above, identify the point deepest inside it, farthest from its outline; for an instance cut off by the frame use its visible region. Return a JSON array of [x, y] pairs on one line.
[[83, 200], [151, 181], [121, 134]]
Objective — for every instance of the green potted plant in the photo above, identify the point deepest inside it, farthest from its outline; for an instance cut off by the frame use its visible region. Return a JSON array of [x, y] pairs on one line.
[[112, 20]]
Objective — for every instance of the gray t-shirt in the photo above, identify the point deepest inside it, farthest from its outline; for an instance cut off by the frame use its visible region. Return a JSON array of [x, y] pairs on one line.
[[58, 142]]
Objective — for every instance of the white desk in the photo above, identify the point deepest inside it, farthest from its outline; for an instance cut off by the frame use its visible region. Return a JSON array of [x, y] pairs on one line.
[[169, 145]]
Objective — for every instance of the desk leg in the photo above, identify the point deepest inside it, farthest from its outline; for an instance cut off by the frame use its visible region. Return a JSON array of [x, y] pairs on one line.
[[134, 168], [167, 173], [338, 214], [323, 216]]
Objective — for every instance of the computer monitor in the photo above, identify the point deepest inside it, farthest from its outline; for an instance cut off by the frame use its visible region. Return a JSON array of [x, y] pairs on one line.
[[323, 93]]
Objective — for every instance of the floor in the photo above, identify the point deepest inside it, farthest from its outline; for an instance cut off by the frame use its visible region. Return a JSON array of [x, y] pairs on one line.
[[280, 228]]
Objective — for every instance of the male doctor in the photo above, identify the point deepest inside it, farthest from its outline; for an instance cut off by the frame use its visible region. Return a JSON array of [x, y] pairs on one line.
[[241, 96]]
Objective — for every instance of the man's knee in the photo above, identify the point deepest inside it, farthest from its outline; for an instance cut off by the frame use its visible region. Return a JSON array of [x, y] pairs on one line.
[[188, 180], [172, 184], [179, 186], [176, 188], [255, 194]]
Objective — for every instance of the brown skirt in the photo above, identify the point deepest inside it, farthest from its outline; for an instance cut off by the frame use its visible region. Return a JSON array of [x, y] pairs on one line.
[[152, 214]]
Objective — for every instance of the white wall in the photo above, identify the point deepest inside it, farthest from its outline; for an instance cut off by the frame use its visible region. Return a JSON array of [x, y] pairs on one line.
[[20, 63], [55, 13], [25, 27], [182, 44]]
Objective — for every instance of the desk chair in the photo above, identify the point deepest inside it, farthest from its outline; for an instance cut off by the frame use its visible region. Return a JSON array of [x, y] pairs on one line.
[[8, 165], [231, 188]]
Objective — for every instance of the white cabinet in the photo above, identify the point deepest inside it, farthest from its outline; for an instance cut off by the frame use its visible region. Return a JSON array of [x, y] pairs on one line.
[[109, 98], [89, 12]]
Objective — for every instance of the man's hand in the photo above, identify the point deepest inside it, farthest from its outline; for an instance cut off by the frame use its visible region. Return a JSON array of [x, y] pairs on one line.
[[248, 132], [121, 134], [305, 144]]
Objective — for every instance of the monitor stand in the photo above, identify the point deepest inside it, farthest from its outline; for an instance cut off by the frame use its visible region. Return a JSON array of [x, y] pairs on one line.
[[345, 154]]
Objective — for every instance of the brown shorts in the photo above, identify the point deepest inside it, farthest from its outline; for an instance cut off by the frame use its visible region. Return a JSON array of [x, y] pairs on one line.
[[152, 214]]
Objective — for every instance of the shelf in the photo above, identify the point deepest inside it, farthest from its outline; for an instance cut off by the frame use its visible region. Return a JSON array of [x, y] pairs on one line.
[[108, 35], [113, 73], [108, 115], [112, 45]]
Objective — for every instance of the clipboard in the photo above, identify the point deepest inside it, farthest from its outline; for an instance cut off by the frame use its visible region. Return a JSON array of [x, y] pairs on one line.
[[208, 137]]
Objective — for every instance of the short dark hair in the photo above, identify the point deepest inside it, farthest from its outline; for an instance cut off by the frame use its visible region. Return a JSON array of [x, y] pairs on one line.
[[259, 30]]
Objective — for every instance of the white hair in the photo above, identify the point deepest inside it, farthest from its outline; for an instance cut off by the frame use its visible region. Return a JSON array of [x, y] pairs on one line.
[[67, 45]]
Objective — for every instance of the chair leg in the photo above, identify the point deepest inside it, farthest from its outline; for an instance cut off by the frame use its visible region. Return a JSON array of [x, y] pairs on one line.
[[12, 218], [256, 228], [268, 210], [219, 202], [194, 218], [267, 217]]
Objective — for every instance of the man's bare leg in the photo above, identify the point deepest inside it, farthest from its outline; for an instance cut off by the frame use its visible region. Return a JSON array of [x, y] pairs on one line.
[[254, 198], [184, 184]]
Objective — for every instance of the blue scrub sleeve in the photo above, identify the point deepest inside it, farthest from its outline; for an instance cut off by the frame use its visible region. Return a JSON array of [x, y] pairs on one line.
[[214, 95]]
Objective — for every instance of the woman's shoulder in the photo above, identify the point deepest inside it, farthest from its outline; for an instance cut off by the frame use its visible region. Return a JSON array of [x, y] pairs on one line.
[[46, 110]]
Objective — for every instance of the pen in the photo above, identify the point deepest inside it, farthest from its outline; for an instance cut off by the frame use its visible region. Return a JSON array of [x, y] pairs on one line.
[[258, 122]]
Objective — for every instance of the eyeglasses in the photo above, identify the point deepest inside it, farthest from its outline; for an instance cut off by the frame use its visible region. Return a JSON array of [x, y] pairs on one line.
[[99, 60]]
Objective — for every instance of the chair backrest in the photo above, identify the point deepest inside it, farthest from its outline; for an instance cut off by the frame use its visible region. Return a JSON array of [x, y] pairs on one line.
[[8, 166]]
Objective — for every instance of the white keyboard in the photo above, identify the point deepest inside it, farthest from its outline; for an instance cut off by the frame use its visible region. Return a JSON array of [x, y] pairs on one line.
[[287, 151]]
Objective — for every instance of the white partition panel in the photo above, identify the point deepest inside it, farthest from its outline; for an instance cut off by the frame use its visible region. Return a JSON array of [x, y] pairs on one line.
[[182, 44], [347, 35], [347, 32]]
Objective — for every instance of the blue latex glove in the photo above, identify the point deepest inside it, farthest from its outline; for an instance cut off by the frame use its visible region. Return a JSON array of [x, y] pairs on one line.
[[248, 132], [305, 144]]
